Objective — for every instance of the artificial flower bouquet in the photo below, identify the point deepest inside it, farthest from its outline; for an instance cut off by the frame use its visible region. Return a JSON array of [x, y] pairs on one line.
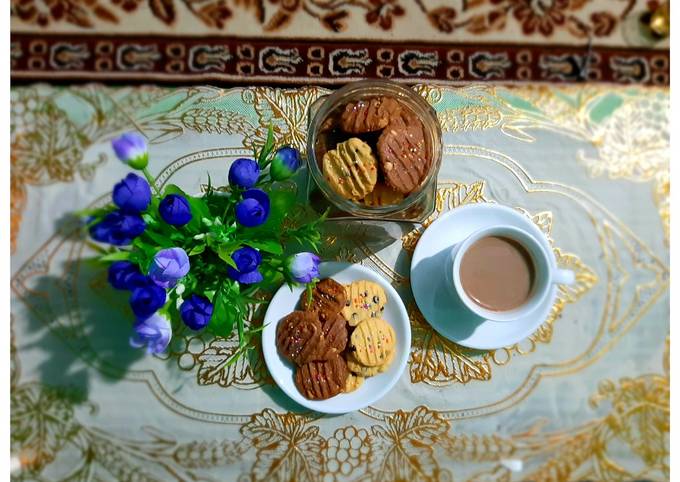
[[198, 261]]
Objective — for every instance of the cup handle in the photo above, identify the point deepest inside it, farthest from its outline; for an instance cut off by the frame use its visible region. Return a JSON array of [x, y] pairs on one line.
[[564, 277]]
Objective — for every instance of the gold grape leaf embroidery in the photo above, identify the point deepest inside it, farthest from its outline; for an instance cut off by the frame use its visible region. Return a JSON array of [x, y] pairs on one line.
[[287, 110], [403, 447], [438, 361], [246, 372], [288, 448], [469, 118], [450, 195], [41, 422], [217, 121]]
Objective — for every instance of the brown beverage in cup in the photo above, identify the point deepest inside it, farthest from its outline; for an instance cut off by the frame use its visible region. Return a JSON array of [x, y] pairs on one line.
[[497, 273]]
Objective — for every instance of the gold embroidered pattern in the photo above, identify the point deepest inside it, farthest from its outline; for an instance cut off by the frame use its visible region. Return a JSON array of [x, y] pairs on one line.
[[450, 195], [286, 109]]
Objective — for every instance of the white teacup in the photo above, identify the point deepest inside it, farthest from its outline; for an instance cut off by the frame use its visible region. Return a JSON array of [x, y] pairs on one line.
[[546, 272]]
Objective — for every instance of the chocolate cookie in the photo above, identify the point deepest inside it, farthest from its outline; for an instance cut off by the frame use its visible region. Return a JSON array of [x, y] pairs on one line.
[[319, 380], [299, 337], [328, 299], [368, 115], [403, 153], [335, 333], [351, 169]]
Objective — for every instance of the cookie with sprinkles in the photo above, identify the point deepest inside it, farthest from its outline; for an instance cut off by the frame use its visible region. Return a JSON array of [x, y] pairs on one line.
[[354, 366], [299, 337], [372, 341], [351, 169], [319, 380], [353, 382], [328, 299], [365, 300]]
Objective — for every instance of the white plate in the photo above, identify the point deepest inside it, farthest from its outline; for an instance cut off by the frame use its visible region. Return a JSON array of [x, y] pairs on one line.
[[374, 388], [434, 298]]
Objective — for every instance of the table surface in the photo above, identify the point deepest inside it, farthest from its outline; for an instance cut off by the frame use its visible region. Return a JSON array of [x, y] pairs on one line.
[[586, 397]]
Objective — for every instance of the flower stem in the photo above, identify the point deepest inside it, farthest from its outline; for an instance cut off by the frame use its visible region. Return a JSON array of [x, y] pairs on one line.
[[151, 180]]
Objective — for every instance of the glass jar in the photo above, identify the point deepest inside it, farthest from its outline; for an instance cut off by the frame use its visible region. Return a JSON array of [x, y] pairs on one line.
[[419, 203]]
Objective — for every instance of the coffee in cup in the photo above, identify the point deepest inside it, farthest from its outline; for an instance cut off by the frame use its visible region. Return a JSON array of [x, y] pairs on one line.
[[503, 273], [497, 273]]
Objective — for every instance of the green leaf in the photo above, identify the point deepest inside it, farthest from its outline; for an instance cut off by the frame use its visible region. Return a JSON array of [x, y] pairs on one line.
[[159, 239], [272, 246], [225, 251], [224, 315], [268, 145], [116, 256], [198, 249]]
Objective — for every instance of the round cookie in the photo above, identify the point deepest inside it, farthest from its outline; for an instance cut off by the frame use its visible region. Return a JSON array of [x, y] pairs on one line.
[[383, 195], [368, 115], [351, 169], [357, 368], [372, 341], [319, 380], [334, 330], [365, 299], [299, 337], [353, 382], [328, 299], [403, 154]]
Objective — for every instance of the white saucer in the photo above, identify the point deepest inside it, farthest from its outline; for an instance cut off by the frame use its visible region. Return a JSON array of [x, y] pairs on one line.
[[435, 299], [374, 388]]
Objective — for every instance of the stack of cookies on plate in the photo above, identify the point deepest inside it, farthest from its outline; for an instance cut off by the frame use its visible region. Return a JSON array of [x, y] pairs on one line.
[[338, 338], [390, 170]]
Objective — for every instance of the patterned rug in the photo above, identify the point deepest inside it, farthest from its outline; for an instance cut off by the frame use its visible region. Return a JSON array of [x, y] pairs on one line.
[[334, 41]]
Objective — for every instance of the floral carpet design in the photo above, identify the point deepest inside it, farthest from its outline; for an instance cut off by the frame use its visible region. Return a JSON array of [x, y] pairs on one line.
[[259, 40]]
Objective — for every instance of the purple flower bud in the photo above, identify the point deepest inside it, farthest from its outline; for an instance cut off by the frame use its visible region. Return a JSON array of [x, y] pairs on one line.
[[302, 267], [244, 173], [118, 228], [132, 194], [154, 332], [196, 312], [175, 210], [146, 299], [253, 210], [247, 261], [124, 275], [131, 149], [169, 266], [284, 164]]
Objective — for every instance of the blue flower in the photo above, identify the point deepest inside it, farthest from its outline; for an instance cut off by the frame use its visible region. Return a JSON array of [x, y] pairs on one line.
[[196, 312], [244, 173], [302, 267], [169, 266], [175, 210], [132, 194], [118, 228], [154, 332], [146, 299], [253, 209], [131, 149], [284, 164], [247, 261], [124, 275]]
